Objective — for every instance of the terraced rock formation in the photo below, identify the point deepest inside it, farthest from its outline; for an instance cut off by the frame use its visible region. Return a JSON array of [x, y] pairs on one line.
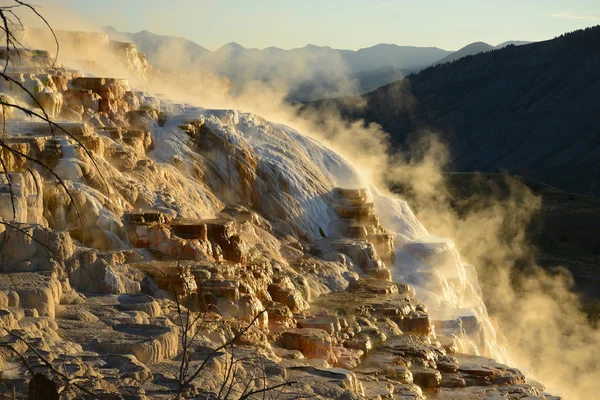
[[211, 253]]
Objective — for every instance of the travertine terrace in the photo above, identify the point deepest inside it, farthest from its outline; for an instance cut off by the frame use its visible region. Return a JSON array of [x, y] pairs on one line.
[[179, 228]]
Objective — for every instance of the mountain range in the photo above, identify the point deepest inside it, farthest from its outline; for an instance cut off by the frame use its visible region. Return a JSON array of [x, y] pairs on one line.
[[476, 48], [307, 73], [530, 110], [367, 59]]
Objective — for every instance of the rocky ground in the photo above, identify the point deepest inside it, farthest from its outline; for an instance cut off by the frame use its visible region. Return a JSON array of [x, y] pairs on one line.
[[151, 249]]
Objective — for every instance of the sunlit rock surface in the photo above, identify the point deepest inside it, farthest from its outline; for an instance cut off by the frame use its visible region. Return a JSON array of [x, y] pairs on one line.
[[154, 226]]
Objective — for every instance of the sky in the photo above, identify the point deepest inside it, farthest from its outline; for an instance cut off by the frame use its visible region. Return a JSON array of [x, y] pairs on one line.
[[344, 24]]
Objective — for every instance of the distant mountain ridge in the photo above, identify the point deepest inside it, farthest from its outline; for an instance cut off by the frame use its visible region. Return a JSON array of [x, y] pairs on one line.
[[468, 50], [366, 59], [529, 110], [307, 73], [148, 41], [310, 72], [476, 48]]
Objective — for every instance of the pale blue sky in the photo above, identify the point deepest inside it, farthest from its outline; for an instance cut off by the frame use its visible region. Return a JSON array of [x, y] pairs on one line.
[[348, 24]]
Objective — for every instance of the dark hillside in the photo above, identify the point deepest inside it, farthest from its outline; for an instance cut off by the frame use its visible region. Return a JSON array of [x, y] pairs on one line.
[[532, 110]]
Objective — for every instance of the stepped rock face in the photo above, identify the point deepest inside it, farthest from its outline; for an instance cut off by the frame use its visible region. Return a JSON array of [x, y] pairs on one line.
[[94, 47], [21, 200], [180, 233]]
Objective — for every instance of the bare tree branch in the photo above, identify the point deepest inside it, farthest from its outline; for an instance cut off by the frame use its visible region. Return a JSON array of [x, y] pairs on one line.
[[47, 24]]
